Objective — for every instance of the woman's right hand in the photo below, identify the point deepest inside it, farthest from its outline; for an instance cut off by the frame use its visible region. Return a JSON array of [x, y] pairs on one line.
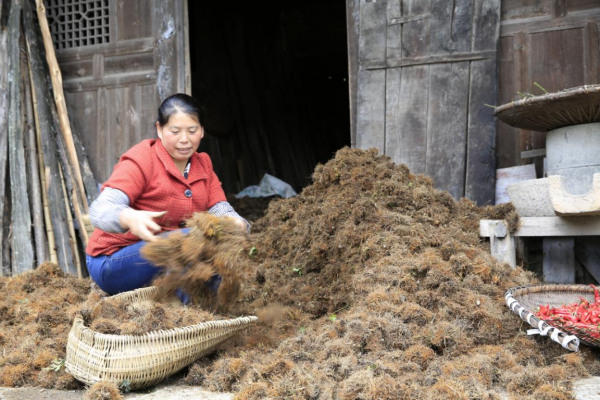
[[141, 223]]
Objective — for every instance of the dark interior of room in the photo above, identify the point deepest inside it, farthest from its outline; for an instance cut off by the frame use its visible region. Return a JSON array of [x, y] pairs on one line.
[[273, 80]]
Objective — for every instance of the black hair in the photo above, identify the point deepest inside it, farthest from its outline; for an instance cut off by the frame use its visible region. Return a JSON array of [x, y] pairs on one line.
[[179, 102]]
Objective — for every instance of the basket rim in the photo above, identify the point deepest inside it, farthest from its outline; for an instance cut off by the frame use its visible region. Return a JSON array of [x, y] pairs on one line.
[[145, 293], [543, 112]]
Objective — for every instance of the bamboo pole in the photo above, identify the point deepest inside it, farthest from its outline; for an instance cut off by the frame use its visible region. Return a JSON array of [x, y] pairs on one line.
[[59, 99], [22, 249], [41, 244], [51, 243], [71, 227], [48, 134]]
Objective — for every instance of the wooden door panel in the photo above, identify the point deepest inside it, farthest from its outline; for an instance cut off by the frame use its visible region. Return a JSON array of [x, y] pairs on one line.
[[439, 72], [447, 128], [113, 90], [559, 60]]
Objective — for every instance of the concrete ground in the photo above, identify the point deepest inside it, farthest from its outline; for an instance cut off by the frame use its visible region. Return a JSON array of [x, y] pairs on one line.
[[160, 392], [583, 389]]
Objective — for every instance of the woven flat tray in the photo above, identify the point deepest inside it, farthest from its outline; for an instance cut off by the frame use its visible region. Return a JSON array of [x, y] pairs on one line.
[[524, 301], [579, 105], [147, 359]]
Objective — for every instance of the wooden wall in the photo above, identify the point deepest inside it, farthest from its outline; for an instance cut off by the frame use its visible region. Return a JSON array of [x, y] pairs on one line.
[[113, 90], [425, 70], [552, 42]]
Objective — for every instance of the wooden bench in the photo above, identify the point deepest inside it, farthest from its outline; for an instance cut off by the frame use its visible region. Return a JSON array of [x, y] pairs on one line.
[[558, 262]]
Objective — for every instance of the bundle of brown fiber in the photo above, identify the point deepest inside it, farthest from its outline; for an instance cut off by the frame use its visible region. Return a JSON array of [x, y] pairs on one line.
[[387, 292], [213, 246]]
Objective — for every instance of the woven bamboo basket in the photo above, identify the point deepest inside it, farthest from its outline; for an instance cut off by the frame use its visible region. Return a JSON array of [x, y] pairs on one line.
[[524, 301], [578, 105], [143, 360]]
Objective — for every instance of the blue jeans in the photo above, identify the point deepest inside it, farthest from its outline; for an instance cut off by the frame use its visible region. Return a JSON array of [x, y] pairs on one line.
[[126, 270]]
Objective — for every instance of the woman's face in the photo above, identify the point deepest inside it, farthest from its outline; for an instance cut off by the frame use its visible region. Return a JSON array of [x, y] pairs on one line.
[[181, 137]]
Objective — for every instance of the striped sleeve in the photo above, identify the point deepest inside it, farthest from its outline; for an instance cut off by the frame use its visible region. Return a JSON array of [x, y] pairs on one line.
[[105, 210]]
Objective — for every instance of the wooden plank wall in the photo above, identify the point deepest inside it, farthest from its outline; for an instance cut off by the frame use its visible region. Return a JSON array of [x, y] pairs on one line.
[[113, 90], [552, 42], [426, 70]]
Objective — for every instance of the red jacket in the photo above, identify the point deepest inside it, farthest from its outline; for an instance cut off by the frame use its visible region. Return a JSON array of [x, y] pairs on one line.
[[149, 177]]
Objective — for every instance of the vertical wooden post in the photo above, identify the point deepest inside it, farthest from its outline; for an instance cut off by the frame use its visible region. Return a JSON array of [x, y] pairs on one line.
[[22, 250], [558, 260], [502, 243], [3, 128]]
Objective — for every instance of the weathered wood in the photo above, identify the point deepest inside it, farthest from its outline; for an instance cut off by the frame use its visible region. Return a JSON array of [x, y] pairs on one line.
[[539, 25], [394, 30], [559, 8], [558, 262], [481, 136], [559, 58], [22, 250], [551, 226], [166, 53], [186, 48], [447, 126], [372, 39], [71, 227], [416, 35], [591, 53], [47, 130], [441, 20], [462, 27], [42, 172], [433, 59], [533, 153], [370, 123], [125, 47], [481, 132], [3, 137], [59, 99], [409, 144], [404, 20], [587, 251], [353, 24], [502, 244], [35, 191], [393, 115]]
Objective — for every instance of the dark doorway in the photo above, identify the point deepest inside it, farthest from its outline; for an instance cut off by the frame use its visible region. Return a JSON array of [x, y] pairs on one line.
[[273, 78]]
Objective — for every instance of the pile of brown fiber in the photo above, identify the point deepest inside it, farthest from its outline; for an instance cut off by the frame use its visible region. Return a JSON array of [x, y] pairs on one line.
[[36, 313], [386, 291], [117, 316]]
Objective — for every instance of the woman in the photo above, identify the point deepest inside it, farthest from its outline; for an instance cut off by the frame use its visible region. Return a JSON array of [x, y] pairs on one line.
[[154, 188]]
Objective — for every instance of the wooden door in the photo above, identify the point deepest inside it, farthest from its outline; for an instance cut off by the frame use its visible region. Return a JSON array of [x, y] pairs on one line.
[[119, 59], [554, 43], [425, 70]]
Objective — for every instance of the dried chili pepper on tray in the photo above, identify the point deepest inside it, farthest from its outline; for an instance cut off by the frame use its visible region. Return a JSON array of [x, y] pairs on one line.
[[581, 314]]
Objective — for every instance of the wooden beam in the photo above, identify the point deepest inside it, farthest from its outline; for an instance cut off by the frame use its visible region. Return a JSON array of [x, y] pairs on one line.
[[22, 250], [550, 226], [546, 23], [434, 59], [125, 47], [3, 128], [408, 18], [533, 153], [353, 25]]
